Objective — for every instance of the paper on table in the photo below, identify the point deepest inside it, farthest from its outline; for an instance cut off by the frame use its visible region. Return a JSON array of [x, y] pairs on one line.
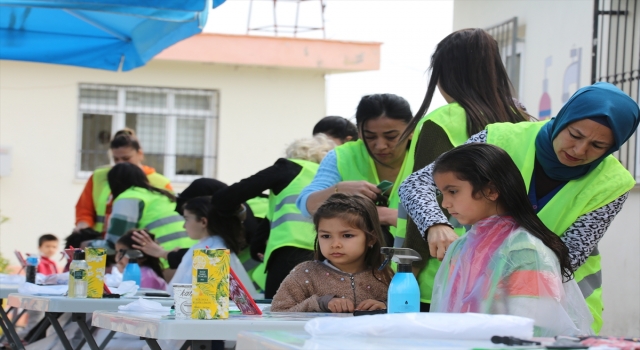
[[143, 305], [34, 289]]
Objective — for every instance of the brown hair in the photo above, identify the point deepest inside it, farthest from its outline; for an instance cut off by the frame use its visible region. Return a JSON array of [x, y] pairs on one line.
[[125, 138], [362, 214], [468, 66]]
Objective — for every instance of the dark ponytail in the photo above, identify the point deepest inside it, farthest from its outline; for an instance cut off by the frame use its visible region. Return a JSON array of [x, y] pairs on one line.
[[126, 175], [468, 66]]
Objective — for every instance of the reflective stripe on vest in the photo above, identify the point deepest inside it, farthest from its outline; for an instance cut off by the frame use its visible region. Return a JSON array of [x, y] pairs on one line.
[[289, 228], [101, 192], [159, 217], [355, 164], [608, 181], [289, 218], [452, 118], [164, 221]]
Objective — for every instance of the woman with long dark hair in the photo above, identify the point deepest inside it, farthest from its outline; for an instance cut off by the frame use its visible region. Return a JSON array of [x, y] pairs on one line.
[[358, 167], [139, 205], [574, 184], [467, 70], [509, 262]]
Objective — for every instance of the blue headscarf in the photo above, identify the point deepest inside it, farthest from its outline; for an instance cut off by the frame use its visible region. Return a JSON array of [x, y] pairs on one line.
[[600, 101]]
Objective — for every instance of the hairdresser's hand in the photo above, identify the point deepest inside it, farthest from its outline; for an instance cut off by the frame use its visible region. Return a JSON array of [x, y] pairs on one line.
[[388, 216], [370, 305], [148, 245], [439, 237], [340, 305], [362, 188]]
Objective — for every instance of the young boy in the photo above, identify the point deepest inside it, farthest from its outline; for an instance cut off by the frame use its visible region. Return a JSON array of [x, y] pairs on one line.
[[48, 246]]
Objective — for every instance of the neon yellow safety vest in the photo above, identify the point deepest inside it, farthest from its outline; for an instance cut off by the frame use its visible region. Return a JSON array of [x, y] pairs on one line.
[[289, 228], [452, 118], [159, 217], [260, 208], [355, 164], [608, 181], [101, 192]]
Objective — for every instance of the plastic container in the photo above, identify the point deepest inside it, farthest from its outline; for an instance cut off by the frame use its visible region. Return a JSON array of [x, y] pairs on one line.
[[132, 272], [31, 269], [404, 292], [78, 276]]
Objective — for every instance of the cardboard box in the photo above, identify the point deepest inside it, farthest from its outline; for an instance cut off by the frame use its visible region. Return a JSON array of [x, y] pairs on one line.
[[97, 260], [210, 279]]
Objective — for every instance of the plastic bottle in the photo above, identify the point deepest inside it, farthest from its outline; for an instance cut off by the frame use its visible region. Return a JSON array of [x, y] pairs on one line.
[[31, 269], [404, 292], [78, 277], [132, 272]]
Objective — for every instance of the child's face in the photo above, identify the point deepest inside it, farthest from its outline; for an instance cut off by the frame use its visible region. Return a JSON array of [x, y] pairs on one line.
[[458, 199], [343, 245], [49, 248], [121, 258], [196, 229]]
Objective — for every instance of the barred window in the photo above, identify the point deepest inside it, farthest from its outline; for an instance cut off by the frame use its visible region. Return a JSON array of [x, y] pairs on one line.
[[511, 50], [616, 59], [176, 128]]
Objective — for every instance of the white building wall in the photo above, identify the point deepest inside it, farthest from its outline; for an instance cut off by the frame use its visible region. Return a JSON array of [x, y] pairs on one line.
[[553, 29], [261, 111]]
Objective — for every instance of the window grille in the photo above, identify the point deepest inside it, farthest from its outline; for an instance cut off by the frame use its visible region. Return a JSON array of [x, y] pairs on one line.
[[506, 34], [616, 59], [176, 128]]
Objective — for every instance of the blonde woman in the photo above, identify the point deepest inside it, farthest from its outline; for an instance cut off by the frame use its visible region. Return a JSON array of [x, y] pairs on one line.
[[291, 236]]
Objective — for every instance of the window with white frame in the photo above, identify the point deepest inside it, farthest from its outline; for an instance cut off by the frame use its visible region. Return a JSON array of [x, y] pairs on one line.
[[176, 128]]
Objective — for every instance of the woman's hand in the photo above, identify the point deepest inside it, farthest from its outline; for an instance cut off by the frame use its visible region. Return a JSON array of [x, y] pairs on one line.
[[370, 305], [362, 188], [340, 305], [388, 216], [439, 237], [80, 226], [147, 245]]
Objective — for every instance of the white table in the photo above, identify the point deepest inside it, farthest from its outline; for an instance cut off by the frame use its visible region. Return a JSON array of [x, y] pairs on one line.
[[278, 340], [53, 306], [199, 332], [8, 326]]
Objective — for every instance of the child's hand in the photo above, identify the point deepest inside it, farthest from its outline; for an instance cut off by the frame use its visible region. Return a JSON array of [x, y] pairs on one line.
[[340, 305], [370, 305]]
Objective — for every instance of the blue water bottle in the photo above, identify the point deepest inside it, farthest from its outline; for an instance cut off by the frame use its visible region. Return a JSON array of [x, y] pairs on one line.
[[132, 271], [404, 292], [31, 269]]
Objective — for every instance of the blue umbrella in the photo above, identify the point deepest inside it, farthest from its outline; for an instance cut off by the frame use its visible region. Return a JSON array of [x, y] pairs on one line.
[[105, 34]]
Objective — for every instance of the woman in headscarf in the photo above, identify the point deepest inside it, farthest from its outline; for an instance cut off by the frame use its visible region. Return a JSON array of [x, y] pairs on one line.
[[574, 183]]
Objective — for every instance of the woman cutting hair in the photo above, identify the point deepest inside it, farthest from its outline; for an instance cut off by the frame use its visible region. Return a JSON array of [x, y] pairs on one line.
[[574, 184]]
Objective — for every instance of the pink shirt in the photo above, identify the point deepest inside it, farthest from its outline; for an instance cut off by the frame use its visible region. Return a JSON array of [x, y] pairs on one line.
[[149, 279]]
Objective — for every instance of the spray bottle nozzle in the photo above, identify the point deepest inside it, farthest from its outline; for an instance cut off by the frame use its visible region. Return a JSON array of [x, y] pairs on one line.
[[401, 256]]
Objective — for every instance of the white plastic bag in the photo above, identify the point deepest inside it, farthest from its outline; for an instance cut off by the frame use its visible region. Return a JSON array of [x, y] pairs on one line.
[[143, 305], [468, 326]]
